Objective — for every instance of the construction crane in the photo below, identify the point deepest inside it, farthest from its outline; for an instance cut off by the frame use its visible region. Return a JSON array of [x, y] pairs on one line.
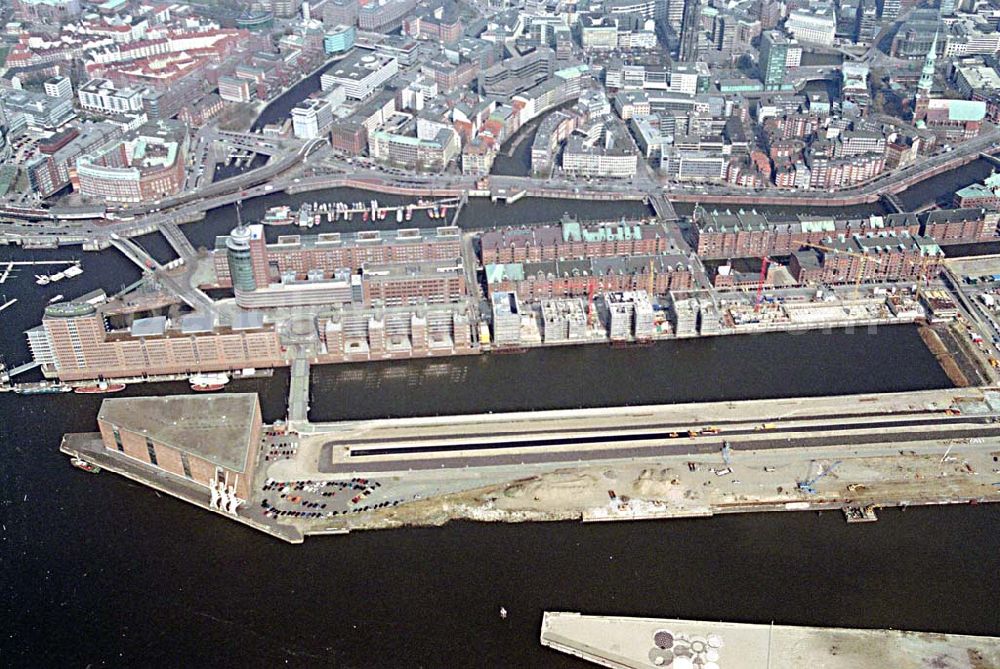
[[764, 262], [591, 287], [861, 270], [807, 486]]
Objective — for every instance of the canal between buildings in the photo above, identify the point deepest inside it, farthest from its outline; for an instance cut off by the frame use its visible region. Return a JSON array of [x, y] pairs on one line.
[[102, 571]]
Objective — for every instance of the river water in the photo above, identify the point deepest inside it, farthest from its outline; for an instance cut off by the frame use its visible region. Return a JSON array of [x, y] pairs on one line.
[[98, 571]]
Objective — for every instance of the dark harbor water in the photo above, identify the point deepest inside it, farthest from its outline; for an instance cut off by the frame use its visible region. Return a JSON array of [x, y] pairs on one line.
[[98, 571], [939, 189], [477, 214], [692, 370], [280, 108]]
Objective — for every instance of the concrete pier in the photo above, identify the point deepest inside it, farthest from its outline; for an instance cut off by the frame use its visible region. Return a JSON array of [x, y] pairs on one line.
[[644, 643], [855, 453]]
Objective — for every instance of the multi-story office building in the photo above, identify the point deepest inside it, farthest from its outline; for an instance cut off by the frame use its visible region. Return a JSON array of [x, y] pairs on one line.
[[143, 169], [361, 74], [234, 89], [609, 158], [340, 13], [39, 111], [101, 96], [598, 32], [511, 76], [50, 171], [432, 282], [384, 15], [312, 118], [58, 87], [773, 59], [816, 24], [506, 313], [417, 153], [338, 39]]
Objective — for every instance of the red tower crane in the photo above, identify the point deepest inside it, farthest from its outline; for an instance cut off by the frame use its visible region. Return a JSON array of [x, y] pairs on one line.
[[764, 262]]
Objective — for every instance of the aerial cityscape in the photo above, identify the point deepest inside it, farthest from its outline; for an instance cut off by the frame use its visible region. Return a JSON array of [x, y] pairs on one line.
[[493, 277]]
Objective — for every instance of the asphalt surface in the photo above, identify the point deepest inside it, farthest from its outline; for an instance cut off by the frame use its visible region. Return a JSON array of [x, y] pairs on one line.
[[679, 446]]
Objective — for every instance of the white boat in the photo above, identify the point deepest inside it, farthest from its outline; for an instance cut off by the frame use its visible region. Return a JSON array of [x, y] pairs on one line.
[[42, 279], [220, 378], [399, 215], [56, 299], [72, 271], [503, 613], [58, 276]]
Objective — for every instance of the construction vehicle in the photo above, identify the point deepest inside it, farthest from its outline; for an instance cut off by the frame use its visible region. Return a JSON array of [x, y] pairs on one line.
[[808, 486]]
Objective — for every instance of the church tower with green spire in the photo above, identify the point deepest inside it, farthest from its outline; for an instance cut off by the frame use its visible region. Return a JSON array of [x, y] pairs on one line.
[[925, 84]]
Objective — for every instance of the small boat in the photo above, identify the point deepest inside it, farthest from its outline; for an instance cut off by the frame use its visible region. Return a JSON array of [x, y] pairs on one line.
[[42, 390], [85, 466], [56, 299], [399, 215], [58, 276], [73, 271], [42, 279], [503, 613], [207, 387], [364, 215], [278, 216], [102, 387], [208, 383]]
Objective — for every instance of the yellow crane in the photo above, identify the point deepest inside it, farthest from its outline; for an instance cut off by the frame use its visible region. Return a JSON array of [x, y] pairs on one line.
[[861, 270]]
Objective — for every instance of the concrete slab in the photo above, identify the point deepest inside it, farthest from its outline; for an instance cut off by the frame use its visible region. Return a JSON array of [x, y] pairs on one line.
[[643, 643]]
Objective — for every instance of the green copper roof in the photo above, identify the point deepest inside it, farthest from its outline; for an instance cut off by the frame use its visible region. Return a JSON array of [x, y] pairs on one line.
[[572, 231], [497, 272], [966, 110]]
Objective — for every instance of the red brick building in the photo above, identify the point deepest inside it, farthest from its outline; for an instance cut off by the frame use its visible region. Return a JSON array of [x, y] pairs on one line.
[[874, 258], [744, 234], [158, 432], [577, 278], [572, 239], [969, 224]]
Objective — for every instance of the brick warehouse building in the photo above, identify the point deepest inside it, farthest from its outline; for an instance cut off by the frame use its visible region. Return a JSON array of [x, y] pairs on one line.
[[196, 437], [572, 239], [334, 251], [748, 234], [886, 258], [576, 278], [75, 342]]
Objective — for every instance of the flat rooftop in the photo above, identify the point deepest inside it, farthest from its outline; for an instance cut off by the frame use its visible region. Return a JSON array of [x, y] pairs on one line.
[[216, 428]]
